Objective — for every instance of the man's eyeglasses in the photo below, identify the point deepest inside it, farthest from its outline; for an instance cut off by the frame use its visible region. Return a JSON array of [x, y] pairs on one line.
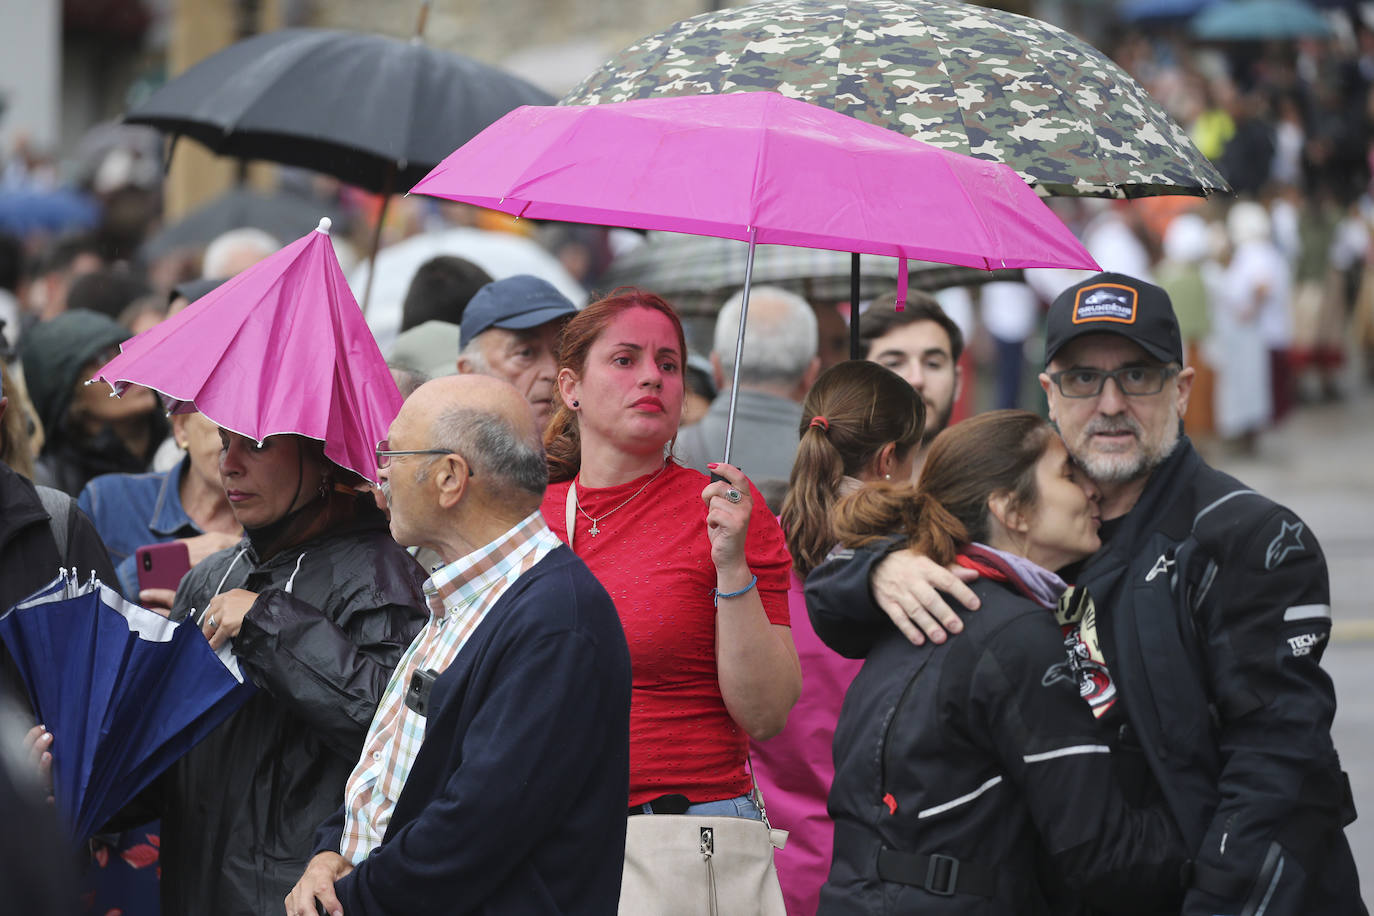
[[384, 454], [1133, 381]]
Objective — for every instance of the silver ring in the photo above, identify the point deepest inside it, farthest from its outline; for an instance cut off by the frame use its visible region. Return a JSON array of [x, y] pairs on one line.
[[733, 495], [212, 622]]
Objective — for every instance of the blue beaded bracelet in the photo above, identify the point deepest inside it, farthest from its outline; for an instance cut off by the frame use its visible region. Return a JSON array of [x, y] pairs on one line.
[[718, 594]]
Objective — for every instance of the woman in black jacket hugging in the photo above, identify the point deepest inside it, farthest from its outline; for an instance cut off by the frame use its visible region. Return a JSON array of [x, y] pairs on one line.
[[972, 776]]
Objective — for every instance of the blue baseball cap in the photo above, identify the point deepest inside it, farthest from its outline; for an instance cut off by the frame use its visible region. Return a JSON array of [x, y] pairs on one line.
[[515, 303]]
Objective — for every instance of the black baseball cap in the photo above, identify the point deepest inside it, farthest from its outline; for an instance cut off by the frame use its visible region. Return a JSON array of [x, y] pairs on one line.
[[515, 303], [1111, 303]]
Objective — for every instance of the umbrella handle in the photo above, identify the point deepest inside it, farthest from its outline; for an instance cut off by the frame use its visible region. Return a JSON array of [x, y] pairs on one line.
[[739, 346]]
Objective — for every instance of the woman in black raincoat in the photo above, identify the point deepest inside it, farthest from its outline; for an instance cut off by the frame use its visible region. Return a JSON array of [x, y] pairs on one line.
[[971, 777], [317, 603]]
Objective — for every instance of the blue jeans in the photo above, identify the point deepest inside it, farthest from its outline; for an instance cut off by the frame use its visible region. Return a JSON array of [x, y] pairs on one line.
[[742, 806]]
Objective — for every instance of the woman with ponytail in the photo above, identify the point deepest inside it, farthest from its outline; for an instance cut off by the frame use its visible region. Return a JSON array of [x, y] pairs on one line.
[[963, 769], [861, 423]]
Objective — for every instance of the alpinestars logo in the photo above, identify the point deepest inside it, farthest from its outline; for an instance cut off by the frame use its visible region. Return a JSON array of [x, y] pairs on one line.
[[1161, 567], [1288, 540]]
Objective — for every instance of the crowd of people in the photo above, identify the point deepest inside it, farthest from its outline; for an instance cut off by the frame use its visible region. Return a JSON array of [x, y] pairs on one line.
[[974, 660]]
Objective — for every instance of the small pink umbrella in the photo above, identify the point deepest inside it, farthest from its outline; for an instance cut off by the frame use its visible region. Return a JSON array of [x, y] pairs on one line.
[[762, 168], [280, 348]]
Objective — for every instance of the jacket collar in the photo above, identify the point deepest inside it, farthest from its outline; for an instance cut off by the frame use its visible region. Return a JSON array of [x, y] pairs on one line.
[[755, 405]]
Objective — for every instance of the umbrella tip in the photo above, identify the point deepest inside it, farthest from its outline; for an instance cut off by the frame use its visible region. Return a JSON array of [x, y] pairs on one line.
[[324, 225]]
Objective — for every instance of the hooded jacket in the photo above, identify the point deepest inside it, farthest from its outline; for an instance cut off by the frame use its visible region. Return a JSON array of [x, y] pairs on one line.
[[958, 766], [332, 617], [54, 353]]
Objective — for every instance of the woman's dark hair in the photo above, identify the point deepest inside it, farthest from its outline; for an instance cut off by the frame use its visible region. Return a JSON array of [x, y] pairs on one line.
[[984, 455], [561, 439], [865, 407]]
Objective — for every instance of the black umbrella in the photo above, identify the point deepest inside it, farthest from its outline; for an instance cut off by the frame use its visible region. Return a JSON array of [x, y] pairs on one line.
[[374, 111], [371, 110], [283, 215]]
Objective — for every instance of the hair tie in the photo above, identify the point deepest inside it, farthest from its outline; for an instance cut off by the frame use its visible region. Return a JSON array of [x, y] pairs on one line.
[[822, 422]]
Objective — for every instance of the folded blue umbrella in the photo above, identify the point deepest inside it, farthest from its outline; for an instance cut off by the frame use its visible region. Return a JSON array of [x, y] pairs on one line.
[[124, 691]]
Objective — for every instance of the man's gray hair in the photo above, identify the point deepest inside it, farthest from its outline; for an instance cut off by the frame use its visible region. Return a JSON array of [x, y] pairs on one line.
[[473, 351], [225, 249], [494, 449], [779, 342]]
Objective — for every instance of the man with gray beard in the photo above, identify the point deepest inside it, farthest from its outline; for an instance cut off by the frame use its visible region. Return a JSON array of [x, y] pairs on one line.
[[1195, 634]]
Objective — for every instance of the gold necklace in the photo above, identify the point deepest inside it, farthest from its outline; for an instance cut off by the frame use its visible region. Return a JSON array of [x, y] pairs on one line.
[[594, 530]]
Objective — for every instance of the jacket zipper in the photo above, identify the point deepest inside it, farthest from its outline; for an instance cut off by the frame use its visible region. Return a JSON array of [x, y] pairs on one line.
[[887, 798]]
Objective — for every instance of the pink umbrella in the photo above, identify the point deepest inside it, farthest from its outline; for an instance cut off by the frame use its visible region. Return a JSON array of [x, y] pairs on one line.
[[280, 348], [762, 168]]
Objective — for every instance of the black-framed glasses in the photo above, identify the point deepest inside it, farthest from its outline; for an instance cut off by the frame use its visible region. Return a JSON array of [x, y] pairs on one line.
[[1132, 381], [384, 454]]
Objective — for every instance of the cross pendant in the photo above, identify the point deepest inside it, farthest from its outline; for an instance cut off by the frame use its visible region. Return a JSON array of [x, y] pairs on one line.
[[594, 531]]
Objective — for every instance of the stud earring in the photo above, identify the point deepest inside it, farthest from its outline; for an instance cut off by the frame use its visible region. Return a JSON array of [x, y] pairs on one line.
[[576, 404]]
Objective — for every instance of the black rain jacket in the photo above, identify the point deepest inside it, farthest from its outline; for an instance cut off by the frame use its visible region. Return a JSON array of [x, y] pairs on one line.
[[972, 750], [333, 616]]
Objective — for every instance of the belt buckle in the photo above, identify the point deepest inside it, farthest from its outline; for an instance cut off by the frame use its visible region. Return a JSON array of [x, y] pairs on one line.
[[950, 868]]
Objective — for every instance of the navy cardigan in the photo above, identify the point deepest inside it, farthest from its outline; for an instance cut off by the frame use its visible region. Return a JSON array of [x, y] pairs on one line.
[[516, 801]]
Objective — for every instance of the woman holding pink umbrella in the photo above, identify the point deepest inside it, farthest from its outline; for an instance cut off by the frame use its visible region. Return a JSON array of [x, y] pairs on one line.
[[697, 569]]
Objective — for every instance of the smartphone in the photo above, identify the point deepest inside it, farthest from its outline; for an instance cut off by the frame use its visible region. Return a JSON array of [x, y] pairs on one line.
[[162, 565]]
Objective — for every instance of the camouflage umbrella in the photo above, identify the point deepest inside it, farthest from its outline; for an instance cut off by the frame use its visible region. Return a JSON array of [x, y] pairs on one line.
[[973, 80]]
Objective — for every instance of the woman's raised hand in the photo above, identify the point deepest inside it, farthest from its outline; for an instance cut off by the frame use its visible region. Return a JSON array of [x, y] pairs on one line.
[[728, 506]]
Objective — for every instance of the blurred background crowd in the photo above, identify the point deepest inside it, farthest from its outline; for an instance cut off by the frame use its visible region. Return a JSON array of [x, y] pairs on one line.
[[107, 229]]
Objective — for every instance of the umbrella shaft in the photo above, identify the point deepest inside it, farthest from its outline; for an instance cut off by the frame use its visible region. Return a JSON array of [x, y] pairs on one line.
[[854, 352], [739, 347]]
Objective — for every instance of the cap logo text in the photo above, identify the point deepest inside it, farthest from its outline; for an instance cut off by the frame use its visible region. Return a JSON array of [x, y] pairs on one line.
[[1105, 302]]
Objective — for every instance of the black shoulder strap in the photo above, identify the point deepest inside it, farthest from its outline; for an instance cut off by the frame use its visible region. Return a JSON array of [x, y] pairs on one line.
[[61, 510]]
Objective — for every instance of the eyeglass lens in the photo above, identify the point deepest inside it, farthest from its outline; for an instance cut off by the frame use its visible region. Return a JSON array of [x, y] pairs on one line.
[[1132, 380]]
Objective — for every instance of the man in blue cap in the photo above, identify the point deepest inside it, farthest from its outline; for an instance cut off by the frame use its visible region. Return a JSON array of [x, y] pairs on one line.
[[510, 331]]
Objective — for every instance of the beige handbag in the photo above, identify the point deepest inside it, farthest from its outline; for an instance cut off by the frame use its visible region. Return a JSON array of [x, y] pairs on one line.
[[686, 865], [683, 865]]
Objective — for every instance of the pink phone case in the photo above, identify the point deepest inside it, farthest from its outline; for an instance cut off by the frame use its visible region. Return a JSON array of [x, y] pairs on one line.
[[162, 565]]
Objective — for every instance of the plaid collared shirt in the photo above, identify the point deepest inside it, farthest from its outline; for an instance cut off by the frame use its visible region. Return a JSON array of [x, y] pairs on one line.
[[459, 596]]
